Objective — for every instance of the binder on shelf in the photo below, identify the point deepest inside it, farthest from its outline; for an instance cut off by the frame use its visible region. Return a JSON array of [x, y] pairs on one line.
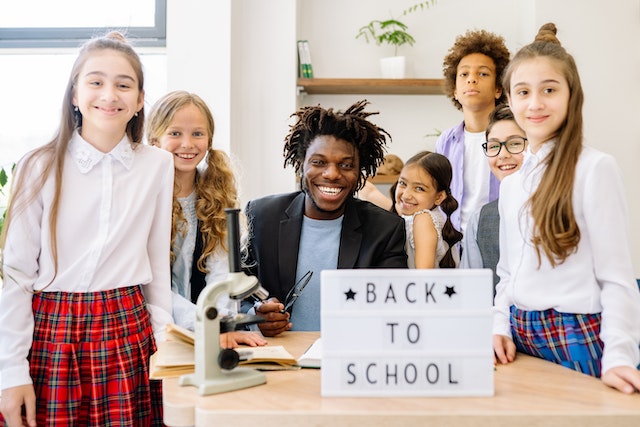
[[305, 70]]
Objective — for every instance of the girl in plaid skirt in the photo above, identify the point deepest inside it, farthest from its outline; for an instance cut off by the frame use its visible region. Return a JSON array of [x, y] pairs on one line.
[[567, 291], [86, 257]]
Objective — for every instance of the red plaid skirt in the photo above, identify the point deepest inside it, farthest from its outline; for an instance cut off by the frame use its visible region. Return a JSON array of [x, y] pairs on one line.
[[90, 360]]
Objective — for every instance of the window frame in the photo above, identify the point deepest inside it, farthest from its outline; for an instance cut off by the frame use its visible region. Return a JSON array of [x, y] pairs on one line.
[[43, 37]]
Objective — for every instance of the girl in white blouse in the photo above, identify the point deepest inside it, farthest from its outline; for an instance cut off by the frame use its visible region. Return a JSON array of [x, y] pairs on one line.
[[85, 269], [182, 124], [567, 291]]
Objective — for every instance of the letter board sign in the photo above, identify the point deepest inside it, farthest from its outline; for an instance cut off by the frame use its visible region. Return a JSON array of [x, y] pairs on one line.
[[399, 332]]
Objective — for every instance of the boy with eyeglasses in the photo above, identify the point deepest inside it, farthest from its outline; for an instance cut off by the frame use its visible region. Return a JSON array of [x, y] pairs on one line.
[[504, 149]]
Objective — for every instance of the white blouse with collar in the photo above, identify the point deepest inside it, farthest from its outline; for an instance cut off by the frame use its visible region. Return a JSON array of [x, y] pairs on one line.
[[114, 230], [597, 278]]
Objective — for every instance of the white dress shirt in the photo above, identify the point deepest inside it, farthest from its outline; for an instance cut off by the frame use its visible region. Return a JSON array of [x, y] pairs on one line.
[[113, 230], [597, 277]]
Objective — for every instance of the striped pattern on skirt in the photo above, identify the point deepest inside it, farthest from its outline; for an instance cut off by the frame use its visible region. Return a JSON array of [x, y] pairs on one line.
[[568, 339]]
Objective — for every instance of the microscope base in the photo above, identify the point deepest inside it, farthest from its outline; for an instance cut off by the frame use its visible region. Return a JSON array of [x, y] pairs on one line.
[[236, 379]]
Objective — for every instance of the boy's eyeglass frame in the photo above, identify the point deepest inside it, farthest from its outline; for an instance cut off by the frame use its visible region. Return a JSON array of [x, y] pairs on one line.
[[520, 140]]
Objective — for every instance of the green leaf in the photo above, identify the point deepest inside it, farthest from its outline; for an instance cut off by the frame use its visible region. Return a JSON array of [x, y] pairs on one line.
[[392, 31], [3, 177]]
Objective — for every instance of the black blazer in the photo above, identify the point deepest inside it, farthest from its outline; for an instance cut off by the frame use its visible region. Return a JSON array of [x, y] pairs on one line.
[[371, 237]]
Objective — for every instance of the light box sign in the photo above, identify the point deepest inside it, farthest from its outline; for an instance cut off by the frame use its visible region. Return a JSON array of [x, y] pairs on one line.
[[399, 332]]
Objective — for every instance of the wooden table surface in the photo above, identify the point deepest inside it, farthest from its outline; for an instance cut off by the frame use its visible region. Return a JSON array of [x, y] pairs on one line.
[[528, 392]]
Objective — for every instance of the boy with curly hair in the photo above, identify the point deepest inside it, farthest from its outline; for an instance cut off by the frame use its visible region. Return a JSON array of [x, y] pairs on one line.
[[297, 235], [473, 71]]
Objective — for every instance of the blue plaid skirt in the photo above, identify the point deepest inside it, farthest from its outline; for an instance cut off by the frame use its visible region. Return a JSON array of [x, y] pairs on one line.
[[568, 339]]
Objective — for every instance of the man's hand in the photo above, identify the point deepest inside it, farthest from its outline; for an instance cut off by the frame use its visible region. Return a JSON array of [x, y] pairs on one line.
[[275, 321]]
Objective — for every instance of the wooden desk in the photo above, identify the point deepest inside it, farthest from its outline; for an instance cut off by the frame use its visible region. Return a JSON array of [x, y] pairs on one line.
[[528, 392]]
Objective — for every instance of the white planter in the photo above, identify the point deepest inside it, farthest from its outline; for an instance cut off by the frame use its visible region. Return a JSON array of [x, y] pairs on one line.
[[393, 67]]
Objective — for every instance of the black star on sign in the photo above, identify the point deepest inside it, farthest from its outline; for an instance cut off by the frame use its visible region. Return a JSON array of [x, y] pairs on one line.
[[350, 295], [450, 291]]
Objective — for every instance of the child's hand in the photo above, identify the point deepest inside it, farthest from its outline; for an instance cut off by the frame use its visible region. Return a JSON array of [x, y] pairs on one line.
[[504, 349], [233, 339], [623, 378], [11, 405]]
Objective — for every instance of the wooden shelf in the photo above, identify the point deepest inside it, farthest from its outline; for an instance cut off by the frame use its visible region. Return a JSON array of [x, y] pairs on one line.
[[384, 179], [372, 86]]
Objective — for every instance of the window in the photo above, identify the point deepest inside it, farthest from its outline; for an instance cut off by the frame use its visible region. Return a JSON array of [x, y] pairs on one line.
[[67, 23], [36, 61]]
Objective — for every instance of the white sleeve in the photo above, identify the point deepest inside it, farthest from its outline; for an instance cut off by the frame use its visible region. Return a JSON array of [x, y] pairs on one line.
[[471, 256], [158, 291], [502, 302], [607, 231], [20, 267], [184, 311]]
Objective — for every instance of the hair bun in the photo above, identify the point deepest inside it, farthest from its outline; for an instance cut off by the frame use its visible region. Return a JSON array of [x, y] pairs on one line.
[[116, 35], [547, 33]]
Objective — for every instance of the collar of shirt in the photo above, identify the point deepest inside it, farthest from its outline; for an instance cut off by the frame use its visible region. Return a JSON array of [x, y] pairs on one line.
[[532, 160], [86, 156]]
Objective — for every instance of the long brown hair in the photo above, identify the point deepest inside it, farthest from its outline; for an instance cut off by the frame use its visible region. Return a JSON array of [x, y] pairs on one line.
[[216, 187], [50, 157], [556, 232]]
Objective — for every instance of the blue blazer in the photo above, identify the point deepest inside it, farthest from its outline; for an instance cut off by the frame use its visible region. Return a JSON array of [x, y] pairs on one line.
[[371, 237]]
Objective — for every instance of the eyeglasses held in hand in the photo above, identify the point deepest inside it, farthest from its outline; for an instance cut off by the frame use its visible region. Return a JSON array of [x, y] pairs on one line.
[[296, 291], [514, 145]]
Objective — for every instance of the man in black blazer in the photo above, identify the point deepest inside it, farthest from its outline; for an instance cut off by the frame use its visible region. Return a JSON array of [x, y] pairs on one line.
[[323, 226]]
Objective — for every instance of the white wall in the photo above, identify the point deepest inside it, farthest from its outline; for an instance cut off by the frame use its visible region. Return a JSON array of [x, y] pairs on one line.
[[257, 65], [244, 67], [263, 85], [331, 27]]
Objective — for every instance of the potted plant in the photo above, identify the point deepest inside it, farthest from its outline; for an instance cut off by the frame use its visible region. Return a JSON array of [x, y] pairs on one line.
[[4, 191], [392, 32]]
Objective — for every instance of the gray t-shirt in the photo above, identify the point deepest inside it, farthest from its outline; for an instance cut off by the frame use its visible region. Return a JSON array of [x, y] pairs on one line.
[[319, 246]]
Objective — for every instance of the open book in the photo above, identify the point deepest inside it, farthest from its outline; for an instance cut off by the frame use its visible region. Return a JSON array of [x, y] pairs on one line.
[[312, 356], [175, 356]]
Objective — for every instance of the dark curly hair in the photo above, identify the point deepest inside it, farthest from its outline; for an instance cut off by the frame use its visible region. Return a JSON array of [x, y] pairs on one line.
[[351, 125], [479, 41]]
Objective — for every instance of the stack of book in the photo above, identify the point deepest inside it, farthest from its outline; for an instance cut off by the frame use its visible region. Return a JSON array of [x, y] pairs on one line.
[[175, 356], [304, 60]]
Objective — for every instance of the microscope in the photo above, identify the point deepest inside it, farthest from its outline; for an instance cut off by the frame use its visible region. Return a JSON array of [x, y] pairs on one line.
[[216, 369]]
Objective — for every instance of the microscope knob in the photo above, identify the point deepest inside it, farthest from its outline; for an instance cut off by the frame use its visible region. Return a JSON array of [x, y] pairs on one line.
[[228, 358], [211, 313]]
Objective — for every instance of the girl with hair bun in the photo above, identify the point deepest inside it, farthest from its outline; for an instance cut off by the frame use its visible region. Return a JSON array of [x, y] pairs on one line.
[[567, 290]]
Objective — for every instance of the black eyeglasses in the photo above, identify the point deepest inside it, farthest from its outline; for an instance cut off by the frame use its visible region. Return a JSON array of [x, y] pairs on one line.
[[514, 145], [296, 291]]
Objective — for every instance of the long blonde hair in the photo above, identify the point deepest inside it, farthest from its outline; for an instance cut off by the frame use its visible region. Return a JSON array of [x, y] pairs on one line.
[[556, 232], [216, 187], [52, 154]]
